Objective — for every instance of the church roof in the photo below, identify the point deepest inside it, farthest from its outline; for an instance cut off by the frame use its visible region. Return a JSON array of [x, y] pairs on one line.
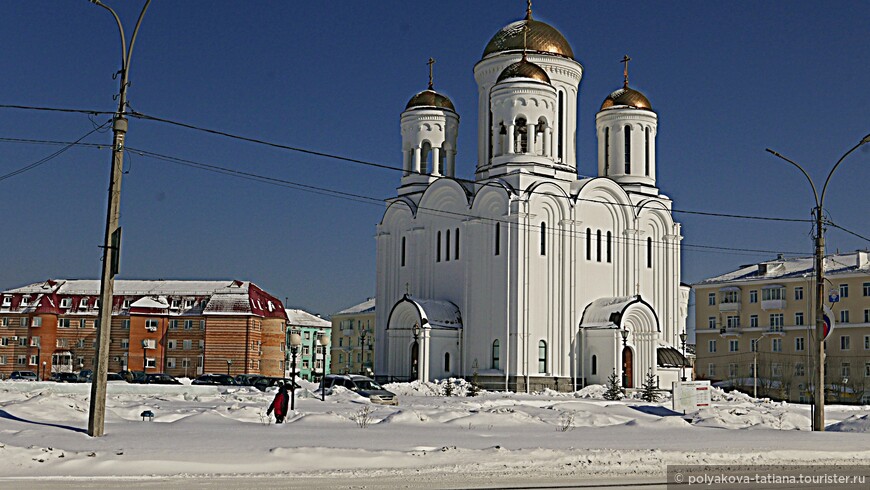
[[524, 69], [541, 37], [437, 313], [430, 98], [670, 357], [626, 97], [601, 311]]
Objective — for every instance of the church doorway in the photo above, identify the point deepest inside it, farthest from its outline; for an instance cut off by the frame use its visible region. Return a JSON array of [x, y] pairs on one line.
[[627, 363], [415, 353]]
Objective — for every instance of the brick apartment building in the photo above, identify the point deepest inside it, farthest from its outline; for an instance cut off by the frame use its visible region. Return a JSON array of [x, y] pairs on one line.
[[182, 328]]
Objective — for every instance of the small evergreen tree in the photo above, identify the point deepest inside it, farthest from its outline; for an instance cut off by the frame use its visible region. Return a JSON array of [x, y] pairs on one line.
[[448, 387], [473, 388], [649, 389], [614, 389]]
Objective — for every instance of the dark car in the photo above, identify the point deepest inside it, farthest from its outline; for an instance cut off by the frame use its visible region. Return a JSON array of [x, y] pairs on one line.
[[263, 383], [160, 379], [133, 376], [85, 376], [361, 385], [23, 376], [65, 377], [215, 379], [114, 377], [247, 379]]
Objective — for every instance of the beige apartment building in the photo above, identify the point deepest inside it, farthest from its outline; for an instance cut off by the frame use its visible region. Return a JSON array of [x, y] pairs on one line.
[[754, 328], [353, 339]]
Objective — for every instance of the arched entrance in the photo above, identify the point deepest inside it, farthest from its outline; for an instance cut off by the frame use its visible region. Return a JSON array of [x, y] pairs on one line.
[[627, 363]]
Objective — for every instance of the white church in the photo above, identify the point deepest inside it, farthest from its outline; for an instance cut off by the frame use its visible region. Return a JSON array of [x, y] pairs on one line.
[[528, 277]]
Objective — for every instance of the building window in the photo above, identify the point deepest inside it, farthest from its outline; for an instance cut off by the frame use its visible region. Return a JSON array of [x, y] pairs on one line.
[[799, 369], [733, 321], [711, 346], [776, 370], [866, 316], [24, 320], [456, 245], [867, 342], [844, 342], [730, 297], [846, 369], [188, 324], [646, 152], [798, 293], [627, 149], [753, 321], [753, 296], [776, 345], [173, 324], [150, 362], [773, 293], [447, 362], [170, 344], [588, 244], [711, 370], [496, 355], [83, 323], [799, 318], [594, 364], [21, 361], [609, 245], [606, 151], [866, 368], [844, 316], [711, 299], [403, 251], [65, 302], [447, 247], [125, 324], [776, 321], [753, 345], [63, 323], [799, 344], [497, 238], [152, 324], [649, 252], [543, 238], [125, 343], [542, 356], [711, 322], [598, 245], [844, 290], [867, 289], [732, 370], [438, 247], [733, 346]]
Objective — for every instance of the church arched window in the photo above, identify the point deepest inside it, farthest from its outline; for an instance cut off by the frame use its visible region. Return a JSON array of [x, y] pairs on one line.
[[497, 238], [646, 151], [543, 238], [521, 135], [627, 149], [609, 246], [606, 151], [561, 124], [447, 247], [438, 248], [588, 244], [598, 245], [542, 357], [403, 251], [502, 140], [594, 364], [496, 355], [649, 252], [428, 165], [446, 362], [541, 140], [456, 245]]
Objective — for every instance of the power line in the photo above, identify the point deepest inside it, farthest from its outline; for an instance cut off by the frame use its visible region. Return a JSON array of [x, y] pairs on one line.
[[53, 155], [55, 109], [862, 237]]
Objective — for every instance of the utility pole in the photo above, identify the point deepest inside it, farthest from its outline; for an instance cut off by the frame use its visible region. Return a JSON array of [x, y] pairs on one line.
[[819, 256], [112, 240]]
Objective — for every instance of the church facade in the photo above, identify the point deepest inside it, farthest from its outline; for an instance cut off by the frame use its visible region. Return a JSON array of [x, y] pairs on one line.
[[526, 276]]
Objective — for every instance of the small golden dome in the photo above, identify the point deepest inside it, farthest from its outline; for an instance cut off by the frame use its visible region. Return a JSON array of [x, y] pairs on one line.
[[524, 69], [626, 97], [430, 98], [541, 38]]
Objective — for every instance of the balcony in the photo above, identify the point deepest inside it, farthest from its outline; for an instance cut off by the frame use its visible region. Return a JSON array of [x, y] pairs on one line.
[[773, 304], [776, 331], [735, 306], [730, 331]]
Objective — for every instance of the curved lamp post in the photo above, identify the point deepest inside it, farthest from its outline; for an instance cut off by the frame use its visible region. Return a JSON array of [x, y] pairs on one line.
[[819, 415], [363, 337], [295, 342], [624, 333], [112, 238], [683, 367], [229, 365], [323, 340]]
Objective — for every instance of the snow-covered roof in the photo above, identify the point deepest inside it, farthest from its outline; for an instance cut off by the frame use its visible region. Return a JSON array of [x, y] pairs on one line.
[[437, 313], [150, 302], [302, 318], [125, 287], [366, 306], [798, 267], [600, 312]]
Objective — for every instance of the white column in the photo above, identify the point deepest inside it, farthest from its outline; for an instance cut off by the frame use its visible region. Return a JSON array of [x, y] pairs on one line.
[[417, 152], [436, 156], [496, 142], [530, 135], [407, 156], [511, 147], [451, 163], [546, 146]]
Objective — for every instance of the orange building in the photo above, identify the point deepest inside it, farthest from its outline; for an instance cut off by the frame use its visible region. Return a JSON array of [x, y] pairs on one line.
[[183, 328]]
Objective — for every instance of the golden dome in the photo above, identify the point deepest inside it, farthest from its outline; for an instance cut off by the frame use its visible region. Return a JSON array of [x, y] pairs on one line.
[[430, 98], [541, 38], [626, 97], [524, 69]]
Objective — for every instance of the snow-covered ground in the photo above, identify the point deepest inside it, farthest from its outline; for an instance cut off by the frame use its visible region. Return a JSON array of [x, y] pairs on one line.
[[428, 440]]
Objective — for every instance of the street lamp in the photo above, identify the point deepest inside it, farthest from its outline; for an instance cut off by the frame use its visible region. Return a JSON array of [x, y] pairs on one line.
[[323, 340], [112, 237], [295, 342], [43, 370], [415, 365], [624, 334], [683, 367], [363, 337], [819, 416], [229, 364], [144, 358]]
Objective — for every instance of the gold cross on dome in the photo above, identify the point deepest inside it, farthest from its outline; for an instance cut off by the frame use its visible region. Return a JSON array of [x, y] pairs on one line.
[[528, 9], [625, 59], [431, 77]]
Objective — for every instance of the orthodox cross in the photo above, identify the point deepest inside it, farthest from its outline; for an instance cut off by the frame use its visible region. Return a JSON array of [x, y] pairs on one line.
[[625, 59], [525, 38], [431, 78], [528, 9], [407, 289]]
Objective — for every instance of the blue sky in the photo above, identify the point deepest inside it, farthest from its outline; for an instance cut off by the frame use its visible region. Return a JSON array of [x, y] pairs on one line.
[[727, 80]]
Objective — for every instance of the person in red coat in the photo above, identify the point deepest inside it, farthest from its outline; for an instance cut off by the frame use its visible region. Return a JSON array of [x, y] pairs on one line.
[[279, 405]]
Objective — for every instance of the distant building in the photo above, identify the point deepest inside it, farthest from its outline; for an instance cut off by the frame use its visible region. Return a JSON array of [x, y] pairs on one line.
[[309, 359], [761, 316], [353, 335], [183, 328]]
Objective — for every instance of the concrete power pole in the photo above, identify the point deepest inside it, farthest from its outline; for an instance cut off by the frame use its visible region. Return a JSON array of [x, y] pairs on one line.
[[112, 241]]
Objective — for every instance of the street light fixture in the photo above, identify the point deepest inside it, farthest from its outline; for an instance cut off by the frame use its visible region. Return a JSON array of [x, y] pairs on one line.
[[295, 342], [415, 365], [683, 367], [229, 364], [323, 340], [43, 370], [819, 415], [363, 337], [624, 334]]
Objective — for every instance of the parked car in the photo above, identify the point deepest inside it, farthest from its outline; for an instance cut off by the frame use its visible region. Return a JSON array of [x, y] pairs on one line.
[[160, 379], [361, 385], [65, 377], [247, 379], [23, 376], [263, 383], [133, 376], [115, 377], [86, 375], [215, 379]]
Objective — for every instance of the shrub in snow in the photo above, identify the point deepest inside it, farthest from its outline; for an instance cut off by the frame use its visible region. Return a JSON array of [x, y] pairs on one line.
[[614, 389], [649, 390], [363, 417], [448, 387]]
